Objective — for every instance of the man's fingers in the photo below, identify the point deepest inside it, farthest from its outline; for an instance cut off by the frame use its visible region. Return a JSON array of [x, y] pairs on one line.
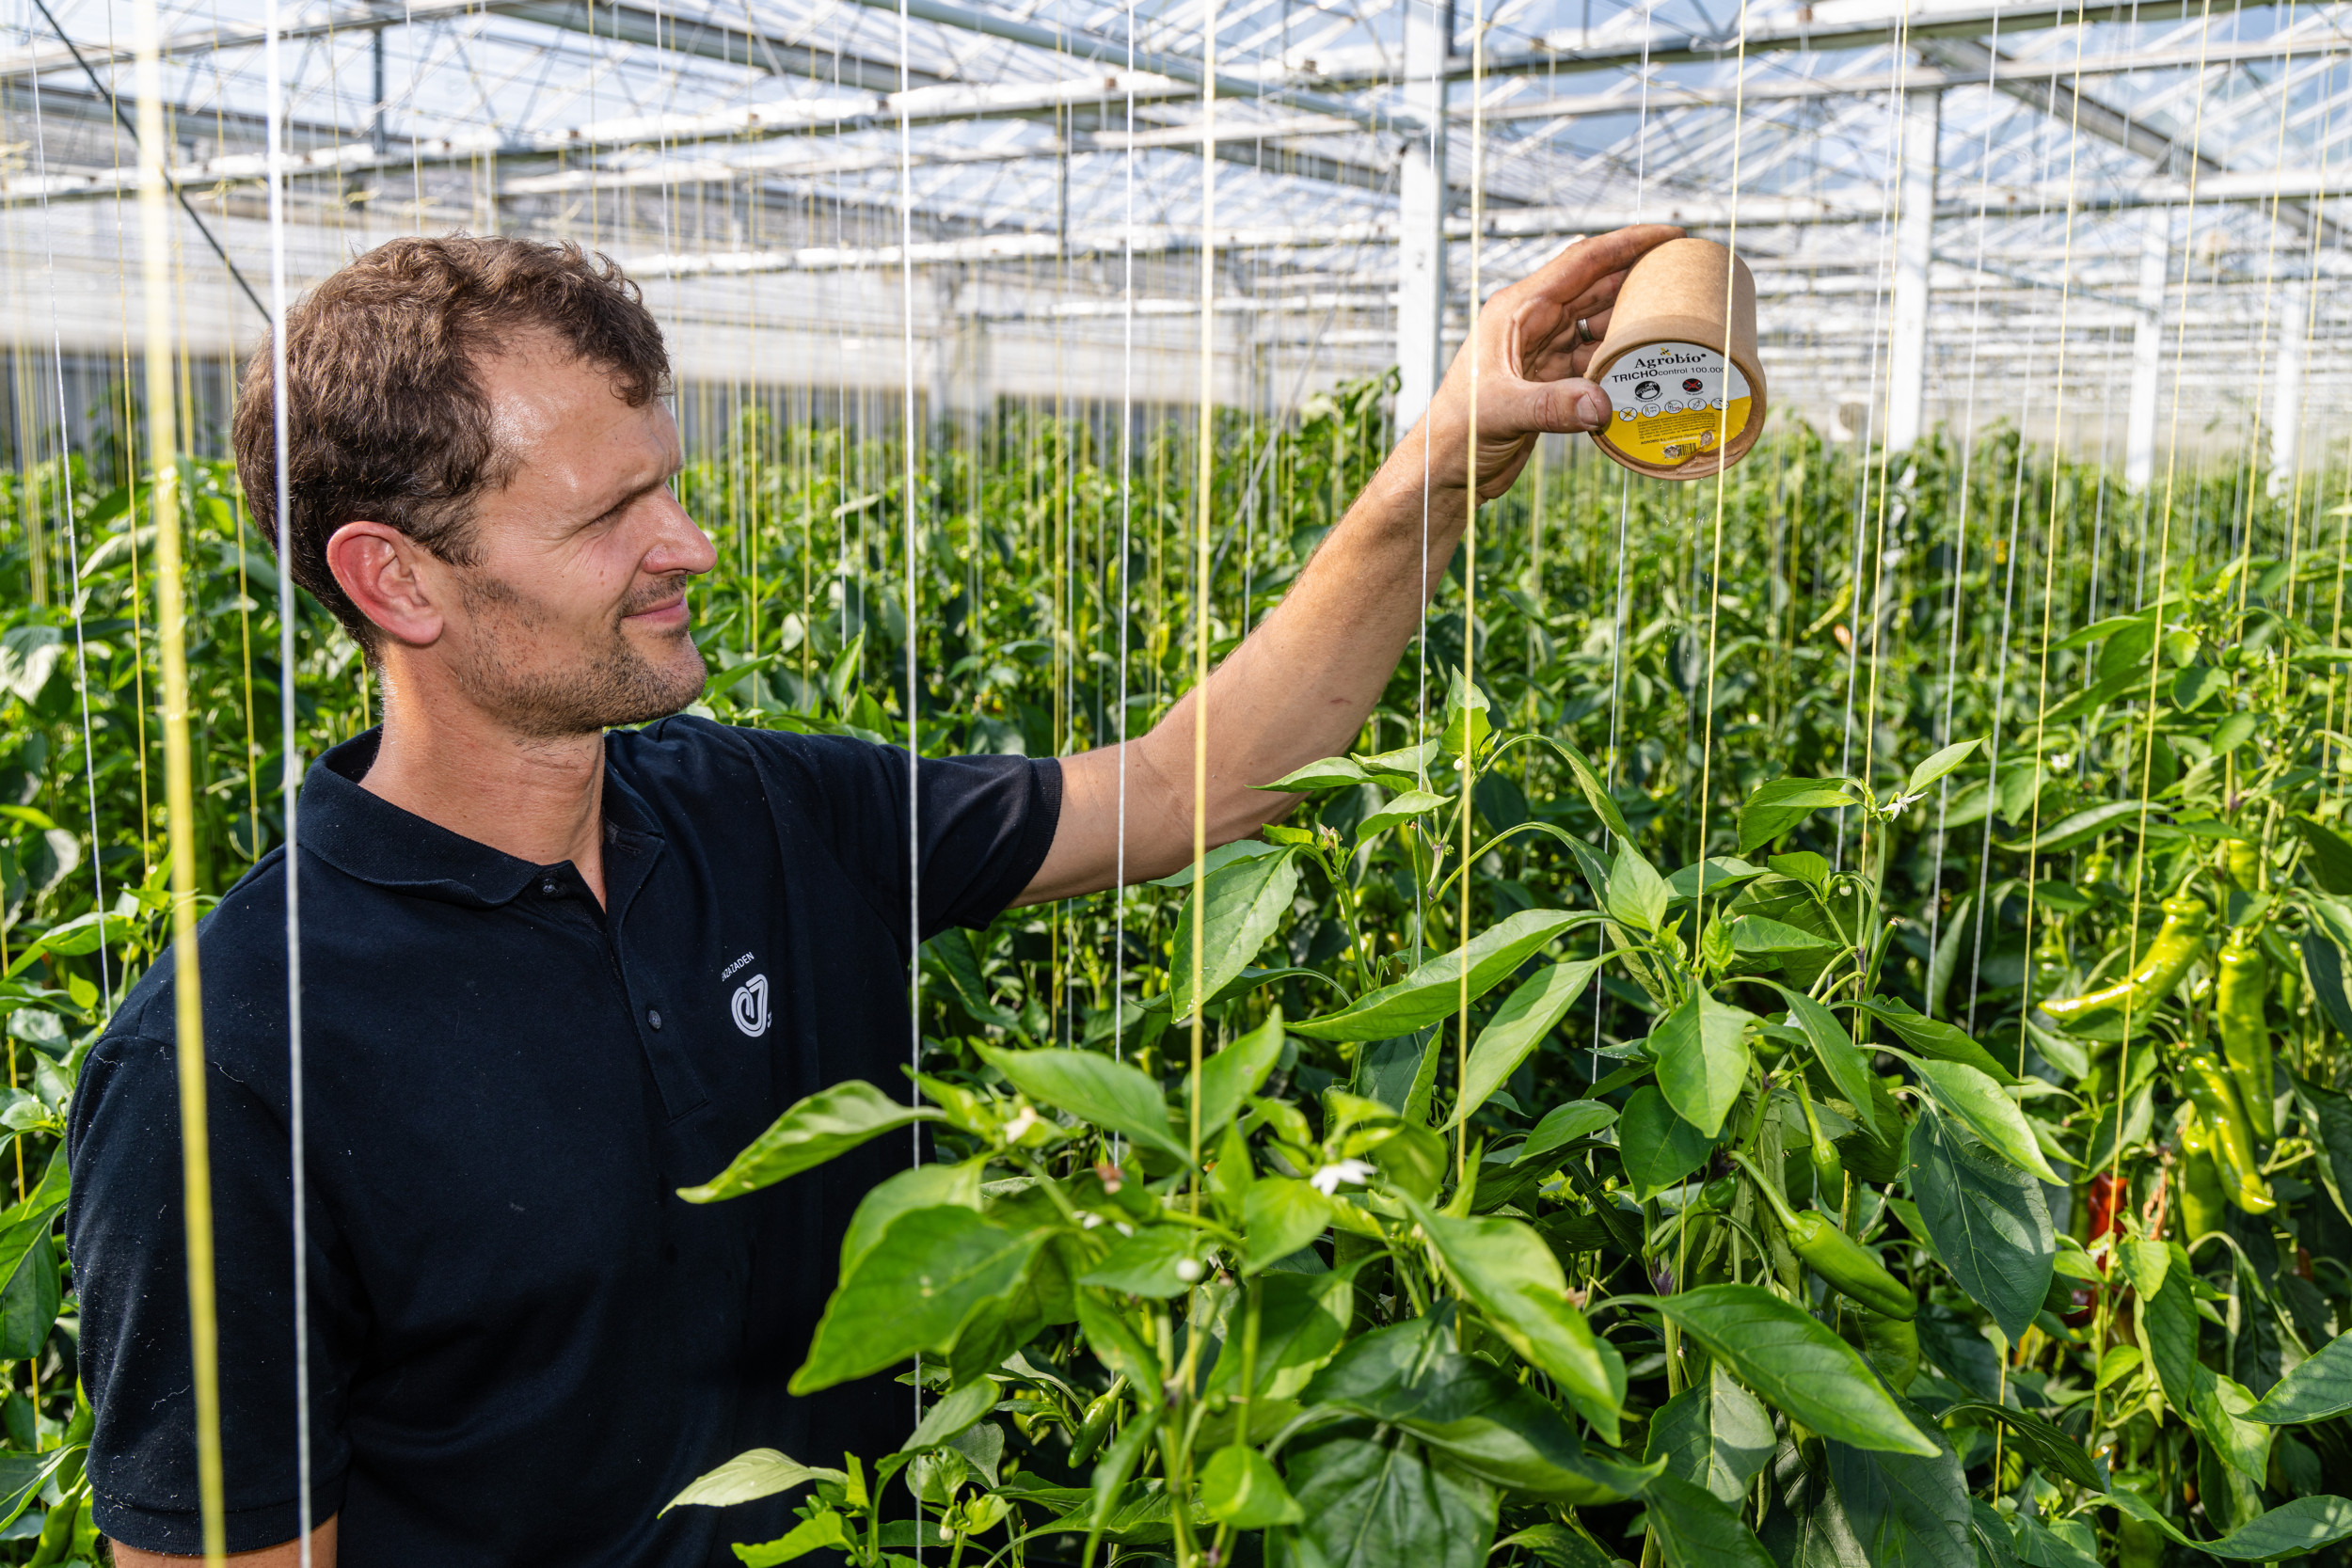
[[1558, 407], [1585, 263], [1567, 353]]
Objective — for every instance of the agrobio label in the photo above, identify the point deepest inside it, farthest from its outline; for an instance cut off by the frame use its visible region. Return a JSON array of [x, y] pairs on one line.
[[1667, 402]]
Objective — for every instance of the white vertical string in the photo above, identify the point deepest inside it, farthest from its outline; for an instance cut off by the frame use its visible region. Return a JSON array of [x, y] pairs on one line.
[[906, 434], [1438, 97], [72, 546], [290, 778], [1624, 517], [1126, 498], [1959, 527]]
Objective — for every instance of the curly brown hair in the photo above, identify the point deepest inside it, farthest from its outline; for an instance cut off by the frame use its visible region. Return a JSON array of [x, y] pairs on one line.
[[385, 417]]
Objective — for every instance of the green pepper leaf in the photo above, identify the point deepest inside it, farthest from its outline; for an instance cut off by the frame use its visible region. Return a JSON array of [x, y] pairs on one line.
[[1519, 1025], [1563, 1125], [1904, 1509], [828, 1123], [923, 1187], [1658, 1148], [1111, 1095], [748, 1477], [1236, 1072], [1302, 1320], [1239, 1488], [1987, 1111], [933, 1272], [1772, 809], [1148, 1262], [1935, 1038], [1636, 895], [1244, 902], [1792, 1360], [1471, 1411], [1714, 1435], [1378, 1502], [1699, 1530], [1280, 1214], [1702, 1054], [1435, 991], [1330, 773], [1987, 1220], [1833, 1045], [2294, 1529], [1940, 764], [2319, 1387], [1512, 1277], [2038, 1438]]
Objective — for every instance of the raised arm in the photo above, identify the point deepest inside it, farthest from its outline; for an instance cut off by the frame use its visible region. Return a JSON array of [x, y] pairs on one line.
[[1301, 685]]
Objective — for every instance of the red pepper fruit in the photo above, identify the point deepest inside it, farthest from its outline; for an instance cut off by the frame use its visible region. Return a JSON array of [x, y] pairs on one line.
[[2107, 1196]]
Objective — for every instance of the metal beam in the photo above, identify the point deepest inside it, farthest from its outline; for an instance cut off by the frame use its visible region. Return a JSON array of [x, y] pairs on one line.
[[2070, 105], [1095, 46], [1420, 213], [712, 40], [1533, 222], [924, 106], [622, 21], [1919, 132], [2286, 405], [2139, 427], [1833, 26], [1872, 84]]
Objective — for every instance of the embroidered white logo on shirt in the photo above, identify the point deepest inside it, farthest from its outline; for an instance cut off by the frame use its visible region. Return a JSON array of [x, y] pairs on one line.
[[751, 1005]]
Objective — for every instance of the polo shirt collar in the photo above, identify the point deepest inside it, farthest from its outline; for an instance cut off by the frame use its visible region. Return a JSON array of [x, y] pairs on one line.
[[364, 835]]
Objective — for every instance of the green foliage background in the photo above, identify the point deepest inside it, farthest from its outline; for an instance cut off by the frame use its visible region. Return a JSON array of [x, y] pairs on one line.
[[1824, 614]]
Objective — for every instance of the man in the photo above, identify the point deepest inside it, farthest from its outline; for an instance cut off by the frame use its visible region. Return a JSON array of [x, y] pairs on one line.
[[555, 970]]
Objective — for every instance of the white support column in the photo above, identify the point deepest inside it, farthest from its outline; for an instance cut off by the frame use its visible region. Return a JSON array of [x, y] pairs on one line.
[[2286, 409], [1421, 210], [2139, 433], [1914, 253]]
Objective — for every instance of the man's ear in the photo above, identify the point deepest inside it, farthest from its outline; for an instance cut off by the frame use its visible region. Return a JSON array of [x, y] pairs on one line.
[[385, 574]]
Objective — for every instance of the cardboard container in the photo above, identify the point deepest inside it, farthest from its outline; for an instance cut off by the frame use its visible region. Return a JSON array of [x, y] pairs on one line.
[[1673, 412]]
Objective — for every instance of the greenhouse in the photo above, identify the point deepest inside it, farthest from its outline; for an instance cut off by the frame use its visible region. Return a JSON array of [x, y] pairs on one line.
[[1242, 784]]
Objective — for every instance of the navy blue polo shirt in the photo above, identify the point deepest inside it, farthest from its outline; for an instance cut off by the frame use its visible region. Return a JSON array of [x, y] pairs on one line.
[[522, 1342]]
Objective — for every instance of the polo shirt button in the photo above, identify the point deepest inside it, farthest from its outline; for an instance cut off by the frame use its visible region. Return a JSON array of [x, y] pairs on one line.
[[548, 887], [653, 1016]]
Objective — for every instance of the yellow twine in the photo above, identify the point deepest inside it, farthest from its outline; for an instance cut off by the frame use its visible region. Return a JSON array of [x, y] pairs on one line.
[[179, 799]]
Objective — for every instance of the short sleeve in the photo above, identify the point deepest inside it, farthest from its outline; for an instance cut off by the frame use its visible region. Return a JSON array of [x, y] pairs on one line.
[[983, 823], [125, 1231]]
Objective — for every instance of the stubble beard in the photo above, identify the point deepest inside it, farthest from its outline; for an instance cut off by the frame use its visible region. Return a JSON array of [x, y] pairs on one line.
[[506, 672]]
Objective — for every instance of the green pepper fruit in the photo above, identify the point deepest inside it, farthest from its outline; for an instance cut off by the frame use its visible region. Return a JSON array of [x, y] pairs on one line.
[[2242, 862], [2238, 998], [2177, 944], [2215, 1094], [1829, 1173], [1850, 1268], [2200, 1184], [2139, 1544], [1099, 1414]]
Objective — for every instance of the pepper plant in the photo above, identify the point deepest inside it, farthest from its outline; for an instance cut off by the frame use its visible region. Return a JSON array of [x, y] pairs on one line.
[[1766, 1284]]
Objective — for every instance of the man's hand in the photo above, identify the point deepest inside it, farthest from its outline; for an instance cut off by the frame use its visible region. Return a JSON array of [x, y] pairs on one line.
[[1536, 339], [284, 1555], [1299, 688]]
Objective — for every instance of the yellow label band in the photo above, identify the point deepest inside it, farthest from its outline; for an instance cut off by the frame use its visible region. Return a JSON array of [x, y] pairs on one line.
[[1668, 403]]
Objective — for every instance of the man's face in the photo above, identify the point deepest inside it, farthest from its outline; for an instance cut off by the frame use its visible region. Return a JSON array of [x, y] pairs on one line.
[[573, 617]]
